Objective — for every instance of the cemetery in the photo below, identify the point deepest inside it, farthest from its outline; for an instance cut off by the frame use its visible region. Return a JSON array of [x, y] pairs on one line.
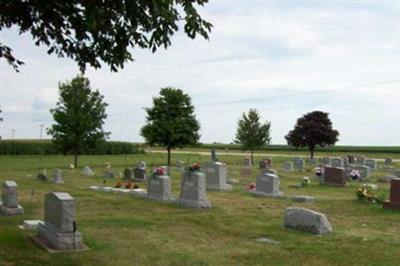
[[172, 213]]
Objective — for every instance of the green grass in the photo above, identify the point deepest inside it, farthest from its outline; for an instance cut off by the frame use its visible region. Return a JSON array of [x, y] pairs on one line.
[[124, 230]]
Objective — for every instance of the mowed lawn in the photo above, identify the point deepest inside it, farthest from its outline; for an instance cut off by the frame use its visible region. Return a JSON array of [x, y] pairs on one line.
[[126, 230]]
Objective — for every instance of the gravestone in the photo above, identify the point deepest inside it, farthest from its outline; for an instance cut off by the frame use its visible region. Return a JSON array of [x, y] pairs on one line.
[[57, 176], [109, 174], [42, 176], [311, 160], [58, 232], [337, 162], [216, 176], [346, 161], [128, 174], [193, 190], [371, 163], [326, 161], [265, 163], [267, 185], [87, 171], [303, 199], [213, 155], [246, 169], [180, 166], [334, 176], [288, 166], [388, 160], [360, 159], [306, 220], [365, 172], [298, 163], [140, 172], [351, 159], [394, 199], [9, 199], [159, 187], [397, 173]]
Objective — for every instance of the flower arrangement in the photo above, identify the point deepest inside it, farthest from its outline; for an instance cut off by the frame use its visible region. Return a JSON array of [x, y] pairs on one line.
[[355, 174], [251, 186], [159, 171], [194, 167], [365, 193], [118, 184], [318, 171], [128, 185]]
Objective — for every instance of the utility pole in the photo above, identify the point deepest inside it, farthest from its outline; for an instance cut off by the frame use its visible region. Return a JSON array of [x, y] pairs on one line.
[[41, 130]]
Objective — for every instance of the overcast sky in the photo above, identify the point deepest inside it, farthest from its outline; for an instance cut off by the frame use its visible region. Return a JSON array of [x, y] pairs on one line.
[[285, 59]]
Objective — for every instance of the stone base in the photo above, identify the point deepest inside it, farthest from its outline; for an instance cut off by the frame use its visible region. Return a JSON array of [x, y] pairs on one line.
[[11, 211], [161, 198], [53, 241], [303, 199], [279, 195], [195, 204], [226, 187], [391, 205]]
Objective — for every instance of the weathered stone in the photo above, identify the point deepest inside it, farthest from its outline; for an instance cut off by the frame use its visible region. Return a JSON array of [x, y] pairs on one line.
[[371, 163], [337, 162], [59, 229], [394, 199], [247, 162], [360, 159], [388, 160], [298, 163], [265, 163], [57, 176], [312, 161], [303, 199], [365, 172], [306, 220], [334, 176], [159, 188], [326, 161], [180, 166], [140, 172], [87, 171], [31, 224], [193, 190], [128, 174], [288, 166], [397, 173], [267, 185], [9, 199], [216, 176]]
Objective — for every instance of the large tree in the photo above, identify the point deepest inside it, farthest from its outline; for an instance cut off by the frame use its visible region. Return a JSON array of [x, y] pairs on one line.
[[79, 117], [93, 31], [312, 130], [251, 133], [171, 122]]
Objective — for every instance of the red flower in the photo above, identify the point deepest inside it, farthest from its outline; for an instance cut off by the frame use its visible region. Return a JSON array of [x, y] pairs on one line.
[[251, 186], [159, 171]]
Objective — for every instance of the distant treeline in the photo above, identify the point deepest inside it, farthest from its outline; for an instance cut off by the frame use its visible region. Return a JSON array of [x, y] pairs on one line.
[[364, 149], [17, 147]]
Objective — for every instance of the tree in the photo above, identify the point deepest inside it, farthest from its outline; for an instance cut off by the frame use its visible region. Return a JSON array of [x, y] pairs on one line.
[[79, 117], [93, 31], [171, 122], [251, 134], [312, 130]]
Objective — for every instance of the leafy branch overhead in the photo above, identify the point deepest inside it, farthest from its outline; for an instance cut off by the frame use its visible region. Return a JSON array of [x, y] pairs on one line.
[[93, 31]]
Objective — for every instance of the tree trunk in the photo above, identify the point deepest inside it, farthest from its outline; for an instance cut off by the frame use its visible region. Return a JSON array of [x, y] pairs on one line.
[[169, 155], [252, 157], [312, 153], [76, 159]]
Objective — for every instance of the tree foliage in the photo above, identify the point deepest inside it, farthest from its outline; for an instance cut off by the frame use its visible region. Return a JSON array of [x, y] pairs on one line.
[[171, 122], [312, 130], [93, 31], [251, 133], [79, 117]]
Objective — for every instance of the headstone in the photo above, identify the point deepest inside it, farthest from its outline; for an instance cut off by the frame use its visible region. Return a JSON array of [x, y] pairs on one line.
[[298, 163], [193, 190], [397, 173], [58, 232], [31, 224], [288, 166], [216, 176], [87, 171], [311, 160], [394, 199], [268, 185], [127, 174], [306, 220], [326, 161], [57, 177], [346, 161], [351, 159], [109, 174], [371, 163], [159, 187], [334, 176], [180, 166], [213, 155], [9, 199], [360, 159], [365, 172], [246, 169], [388, 160], [140, 172], [247, 162], [265, 163], [337, 162], [42, 176]]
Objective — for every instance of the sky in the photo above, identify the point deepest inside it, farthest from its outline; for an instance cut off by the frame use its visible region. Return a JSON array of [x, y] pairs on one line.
[[284, 58]]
